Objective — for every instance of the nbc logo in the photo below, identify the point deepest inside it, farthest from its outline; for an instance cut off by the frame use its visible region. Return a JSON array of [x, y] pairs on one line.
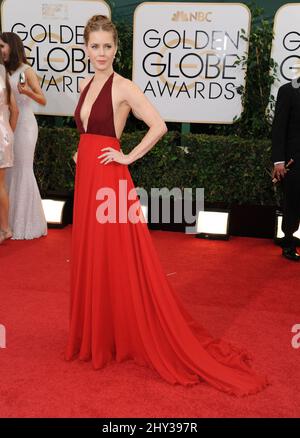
[[56, 11], [191, 16]]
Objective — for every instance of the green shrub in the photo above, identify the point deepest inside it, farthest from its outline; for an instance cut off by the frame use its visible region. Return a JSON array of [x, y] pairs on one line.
[[229, 168]]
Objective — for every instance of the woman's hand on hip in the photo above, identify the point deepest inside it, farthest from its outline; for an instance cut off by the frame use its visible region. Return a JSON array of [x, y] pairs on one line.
[[111, 155]]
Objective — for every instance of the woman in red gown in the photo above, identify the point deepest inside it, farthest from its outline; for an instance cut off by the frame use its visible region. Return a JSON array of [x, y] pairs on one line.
[[122, 306]]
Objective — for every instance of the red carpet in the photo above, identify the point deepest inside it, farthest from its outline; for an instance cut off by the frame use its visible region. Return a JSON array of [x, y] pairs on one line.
[[241, 289]]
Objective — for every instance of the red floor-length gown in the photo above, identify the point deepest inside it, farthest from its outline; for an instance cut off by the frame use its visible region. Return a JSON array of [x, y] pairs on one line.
[[122, 305]]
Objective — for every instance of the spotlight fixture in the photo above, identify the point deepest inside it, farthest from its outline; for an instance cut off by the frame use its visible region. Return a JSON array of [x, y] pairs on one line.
[[213, 224], [53, 210], [58, 208], [278, 231]]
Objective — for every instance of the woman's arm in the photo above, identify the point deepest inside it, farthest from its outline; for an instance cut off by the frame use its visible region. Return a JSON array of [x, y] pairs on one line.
[[144, 110], [14, 111], [32, 87]]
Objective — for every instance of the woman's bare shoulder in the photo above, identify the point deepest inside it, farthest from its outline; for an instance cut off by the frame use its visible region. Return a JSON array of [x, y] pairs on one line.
[[120, 80], [28, 70], [125, 85], [30, 73]]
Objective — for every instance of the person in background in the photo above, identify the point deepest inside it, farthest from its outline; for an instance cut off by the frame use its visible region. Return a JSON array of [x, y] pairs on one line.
[[26, 215], [8, 122], [286, 147]]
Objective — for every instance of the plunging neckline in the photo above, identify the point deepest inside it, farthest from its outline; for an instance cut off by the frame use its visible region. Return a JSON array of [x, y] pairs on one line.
[[91, 110]]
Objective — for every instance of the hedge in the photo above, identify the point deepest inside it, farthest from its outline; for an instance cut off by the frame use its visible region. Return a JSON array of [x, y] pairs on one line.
[[231, 169]]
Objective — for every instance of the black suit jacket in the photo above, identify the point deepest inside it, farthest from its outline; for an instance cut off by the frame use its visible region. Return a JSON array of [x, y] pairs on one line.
[[286, 124]]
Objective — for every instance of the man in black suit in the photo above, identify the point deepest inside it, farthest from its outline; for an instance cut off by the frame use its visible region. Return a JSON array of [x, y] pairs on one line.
[[286, 146]]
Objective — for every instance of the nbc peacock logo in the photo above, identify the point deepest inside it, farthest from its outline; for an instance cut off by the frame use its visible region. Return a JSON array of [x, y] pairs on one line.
[[55, 11], [192, 16]]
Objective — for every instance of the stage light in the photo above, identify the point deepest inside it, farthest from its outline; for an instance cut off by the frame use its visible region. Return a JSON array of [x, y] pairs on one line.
[[212, 225], [278, 231], [54, 212]]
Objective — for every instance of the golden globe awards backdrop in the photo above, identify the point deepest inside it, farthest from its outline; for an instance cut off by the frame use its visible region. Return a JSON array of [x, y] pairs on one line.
[[184, 58], [286, 44], [52, 33]]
